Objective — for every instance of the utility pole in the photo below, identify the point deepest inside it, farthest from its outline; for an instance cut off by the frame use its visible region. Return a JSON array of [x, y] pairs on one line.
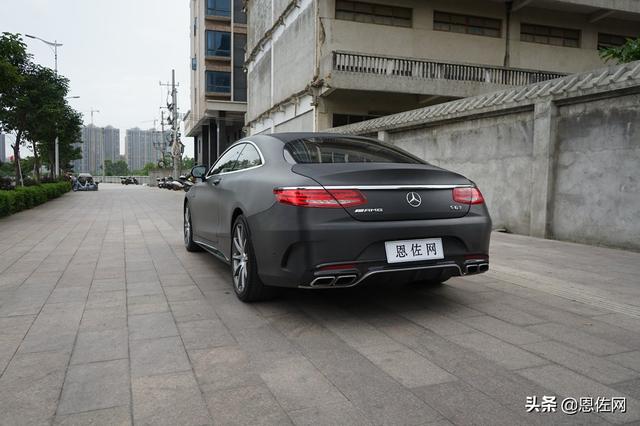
[[53, 46], [176, 145], [176, 149], [101, 142]]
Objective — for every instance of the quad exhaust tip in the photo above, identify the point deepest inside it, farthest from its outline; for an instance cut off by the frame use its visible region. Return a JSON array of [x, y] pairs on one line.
[[476, 268], [334, 281]]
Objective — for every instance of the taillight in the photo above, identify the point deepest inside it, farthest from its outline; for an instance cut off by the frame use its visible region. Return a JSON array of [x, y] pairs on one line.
[[467, 196], [332, 199]]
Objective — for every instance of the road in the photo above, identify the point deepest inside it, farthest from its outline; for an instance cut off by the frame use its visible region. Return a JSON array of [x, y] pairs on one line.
[[105, 318]]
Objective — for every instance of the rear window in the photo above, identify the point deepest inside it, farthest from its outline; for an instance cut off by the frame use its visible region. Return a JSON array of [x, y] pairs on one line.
[[344, 150]]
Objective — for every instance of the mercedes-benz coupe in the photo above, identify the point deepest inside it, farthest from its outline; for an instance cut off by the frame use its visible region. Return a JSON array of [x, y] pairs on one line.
[[314, 210]]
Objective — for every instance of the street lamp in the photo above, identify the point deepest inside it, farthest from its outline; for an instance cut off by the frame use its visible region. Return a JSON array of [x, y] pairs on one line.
[[57, 155], [54, 46]]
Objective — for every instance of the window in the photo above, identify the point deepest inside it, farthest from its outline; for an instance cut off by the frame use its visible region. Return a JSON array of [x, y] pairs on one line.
[[218, 43], [195, 25], [345, 150], [373, 13], [550, 35], [239, 76], [218, 82], [611, 40], [218, 7], [248, 158], [476, 25], [194, 63], [228, 161]]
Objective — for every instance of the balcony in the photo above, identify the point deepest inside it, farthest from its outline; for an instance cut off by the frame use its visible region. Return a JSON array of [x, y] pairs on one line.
[[424, 77]]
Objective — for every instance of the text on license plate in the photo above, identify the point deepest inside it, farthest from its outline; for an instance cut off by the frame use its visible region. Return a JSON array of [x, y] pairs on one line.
[[414, 250]]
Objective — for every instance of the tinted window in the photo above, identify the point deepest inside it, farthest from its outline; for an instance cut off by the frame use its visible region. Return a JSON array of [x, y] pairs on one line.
[[218, 81], [227, 162], [345, 150], [219, 7], [248, 158], [218, 43]]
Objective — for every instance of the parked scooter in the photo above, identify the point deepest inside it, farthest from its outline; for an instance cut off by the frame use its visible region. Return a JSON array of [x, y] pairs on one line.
[[186, 182], [174, 184], [129, 180]]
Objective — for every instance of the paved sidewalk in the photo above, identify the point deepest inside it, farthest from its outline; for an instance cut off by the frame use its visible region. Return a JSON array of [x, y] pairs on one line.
[[105, 318]]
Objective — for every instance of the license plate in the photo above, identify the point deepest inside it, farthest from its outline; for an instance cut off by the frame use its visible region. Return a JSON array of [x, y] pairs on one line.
[[414, 250]]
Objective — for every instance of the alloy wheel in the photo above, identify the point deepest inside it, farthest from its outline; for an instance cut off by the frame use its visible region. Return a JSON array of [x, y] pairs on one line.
[[240, 258], [187, 226]]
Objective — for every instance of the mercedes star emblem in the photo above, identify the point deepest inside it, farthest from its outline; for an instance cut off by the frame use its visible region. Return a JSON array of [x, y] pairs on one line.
[[414, 199]]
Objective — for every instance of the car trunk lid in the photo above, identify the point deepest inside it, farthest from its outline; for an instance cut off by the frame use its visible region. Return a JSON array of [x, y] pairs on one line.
[[393, 191]]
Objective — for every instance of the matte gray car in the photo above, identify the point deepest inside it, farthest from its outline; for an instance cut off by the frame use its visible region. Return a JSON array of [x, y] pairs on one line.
[[314, 210]]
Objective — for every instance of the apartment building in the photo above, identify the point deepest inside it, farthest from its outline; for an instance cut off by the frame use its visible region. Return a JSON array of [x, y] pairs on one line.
[[145, 146], [218, 81], [316, 64], [98, 145]]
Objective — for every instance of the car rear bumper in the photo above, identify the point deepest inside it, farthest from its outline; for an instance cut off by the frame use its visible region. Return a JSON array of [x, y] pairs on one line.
[[305, 247]]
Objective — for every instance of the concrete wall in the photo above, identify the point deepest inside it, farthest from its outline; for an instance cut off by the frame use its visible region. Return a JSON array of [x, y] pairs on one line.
[[495, 152], [558, 159], [304, 121], [285, 64], [597, 184]]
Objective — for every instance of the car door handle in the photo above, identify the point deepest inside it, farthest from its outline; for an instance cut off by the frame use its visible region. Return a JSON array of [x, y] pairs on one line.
[[216, 181]]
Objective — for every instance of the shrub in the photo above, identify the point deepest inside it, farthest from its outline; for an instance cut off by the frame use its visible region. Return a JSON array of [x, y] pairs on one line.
[[24, 198]]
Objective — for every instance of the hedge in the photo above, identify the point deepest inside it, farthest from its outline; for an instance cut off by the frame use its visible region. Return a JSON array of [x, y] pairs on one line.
[[23, 198]]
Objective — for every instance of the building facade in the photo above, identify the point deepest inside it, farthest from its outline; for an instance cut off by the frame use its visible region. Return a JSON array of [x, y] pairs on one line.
[[145, 146], [98, 145], [316, 64], [218, 81]]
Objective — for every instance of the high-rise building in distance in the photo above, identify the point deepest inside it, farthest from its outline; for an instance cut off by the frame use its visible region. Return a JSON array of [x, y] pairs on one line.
[[144, 146], [98, 145]]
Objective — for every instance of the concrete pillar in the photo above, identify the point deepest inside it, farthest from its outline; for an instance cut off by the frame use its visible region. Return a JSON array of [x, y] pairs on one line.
[[543, 169], [383, 135]]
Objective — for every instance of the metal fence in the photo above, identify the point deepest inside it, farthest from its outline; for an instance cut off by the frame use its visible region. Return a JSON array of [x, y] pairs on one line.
[[423, 69], [116, 179]]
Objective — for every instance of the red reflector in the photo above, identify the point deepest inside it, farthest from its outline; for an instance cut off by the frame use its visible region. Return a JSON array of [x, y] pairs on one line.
[[334, 198], [467, 196], [335, 267], [476, 257]]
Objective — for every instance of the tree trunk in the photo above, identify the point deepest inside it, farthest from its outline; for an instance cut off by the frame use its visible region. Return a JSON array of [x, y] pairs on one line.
[[16, 157], [36, 163], [52, 161]]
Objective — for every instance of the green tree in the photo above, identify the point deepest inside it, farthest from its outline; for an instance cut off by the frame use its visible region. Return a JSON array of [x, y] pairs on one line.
[[145, 170], [14, 63], [628, 52], [119, 168], [33, 106], [188, 163]]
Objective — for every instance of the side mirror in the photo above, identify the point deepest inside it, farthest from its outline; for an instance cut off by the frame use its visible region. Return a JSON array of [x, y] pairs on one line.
[[199, 172]]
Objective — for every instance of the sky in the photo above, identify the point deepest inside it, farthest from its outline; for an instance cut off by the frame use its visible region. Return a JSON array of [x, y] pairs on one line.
[[115, 53]]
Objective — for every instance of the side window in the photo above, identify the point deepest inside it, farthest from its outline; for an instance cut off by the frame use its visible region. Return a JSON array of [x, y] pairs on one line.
[[227, 162], [248, 158]]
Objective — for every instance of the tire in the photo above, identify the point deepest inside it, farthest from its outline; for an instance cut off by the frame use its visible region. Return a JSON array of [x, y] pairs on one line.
[[187, 227], [244, 272]]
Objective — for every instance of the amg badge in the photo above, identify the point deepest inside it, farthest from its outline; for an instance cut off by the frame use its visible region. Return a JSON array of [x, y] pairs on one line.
[[374, 210]]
